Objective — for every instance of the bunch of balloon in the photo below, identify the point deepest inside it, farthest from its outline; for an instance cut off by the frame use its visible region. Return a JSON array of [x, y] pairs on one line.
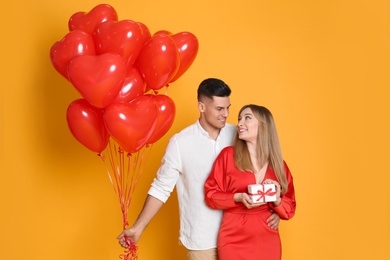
[[119, 68]]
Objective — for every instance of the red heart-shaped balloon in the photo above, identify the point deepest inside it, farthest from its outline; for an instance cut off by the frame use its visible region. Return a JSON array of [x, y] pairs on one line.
[[124, 37], [133, 86], [87, 126], [163, 32], [166, 111], [131, 124], [97, 78], [73, 44], [188, 46], [87, 22], [145, 32], [158, 61]]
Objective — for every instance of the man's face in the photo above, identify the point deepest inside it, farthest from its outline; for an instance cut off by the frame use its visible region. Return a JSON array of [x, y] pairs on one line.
[[216, 111]]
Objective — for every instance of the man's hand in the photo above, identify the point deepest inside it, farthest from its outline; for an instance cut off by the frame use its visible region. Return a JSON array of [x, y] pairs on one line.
[[273, 221], [127, 236]]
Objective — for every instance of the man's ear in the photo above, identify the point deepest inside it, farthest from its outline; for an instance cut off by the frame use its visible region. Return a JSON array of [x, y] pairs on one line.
[[201, 107]]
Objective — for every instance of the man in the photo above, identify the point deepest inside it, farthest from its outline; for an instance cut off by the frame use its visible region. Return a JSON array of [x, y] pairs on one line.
[[187, 163]]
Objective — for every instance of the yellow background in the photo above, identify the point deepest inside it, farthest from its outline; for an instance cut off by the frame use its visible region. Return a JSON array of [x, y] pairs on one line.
[[321, 67]]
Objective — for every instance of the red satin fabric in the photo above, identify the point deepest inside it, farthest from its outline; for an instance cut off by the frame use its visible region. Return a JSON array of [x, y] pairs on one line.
[[244, 233]]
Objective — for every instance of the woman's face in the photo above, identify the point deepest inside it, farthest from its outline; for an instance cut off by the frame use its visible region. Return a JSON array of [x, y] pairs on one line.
[[247, 126]]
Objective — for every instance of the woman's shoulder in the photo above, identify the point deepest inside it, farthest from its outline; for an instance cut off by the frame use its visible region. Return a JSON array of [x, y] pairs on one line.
[[226, 154], [227, 150]]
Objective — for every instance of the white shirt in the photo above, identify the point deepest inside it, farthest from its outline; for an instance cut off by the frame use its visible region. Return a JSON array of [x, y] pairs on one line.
[[187, 163]]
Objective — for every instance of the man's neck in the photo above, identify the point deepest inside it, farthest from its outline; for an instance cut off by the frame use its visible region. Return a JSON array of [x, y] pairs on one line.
[[212, 131]]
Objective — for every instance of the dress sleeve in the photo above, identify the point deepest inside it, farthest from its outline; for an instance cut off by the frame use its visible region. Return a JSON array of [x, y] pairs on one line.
[[216, 194], [286, 208]]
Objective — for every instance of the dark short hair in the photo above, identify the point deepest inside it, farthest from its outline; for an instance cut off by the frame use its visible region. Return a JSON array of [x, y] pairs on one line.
[[213, 87]]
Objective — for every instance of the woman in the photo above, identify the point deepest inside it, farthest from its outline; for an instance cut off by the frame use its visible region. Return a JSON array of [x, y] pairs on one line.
[[254, 158]]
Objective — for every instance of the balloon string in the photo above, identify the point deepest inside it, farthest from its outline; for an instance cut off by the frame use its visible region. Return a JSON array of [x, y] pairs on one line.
[[121, 175], [124, 171], [116, 171], [142, 163], [139, 162], [133, 169], [110, 170], [131, 252]]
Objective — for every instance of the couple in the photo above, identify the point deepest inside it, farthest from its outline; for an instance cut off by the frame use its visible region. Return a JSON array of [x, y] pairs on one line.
[[212, 163]]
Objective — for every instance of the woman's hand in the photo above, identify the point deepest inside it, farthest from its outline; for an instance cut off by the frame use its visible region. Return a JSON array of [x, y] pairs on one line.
[[246, 200], [278, 190]]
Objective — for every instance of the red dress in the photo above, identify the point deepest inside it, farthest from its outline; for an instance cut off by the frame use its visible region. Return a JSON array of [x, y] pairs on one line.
[[244, 233]]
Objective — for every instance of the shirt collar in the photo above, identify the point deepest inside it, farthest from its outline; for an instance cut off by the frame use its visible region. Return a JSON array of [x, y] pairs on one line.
[[204, 132], [200, 128]]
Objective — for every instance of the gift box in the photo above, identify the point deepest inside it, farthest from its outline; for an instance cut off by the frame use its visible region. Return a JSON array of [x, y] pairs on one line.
[[262, 192]]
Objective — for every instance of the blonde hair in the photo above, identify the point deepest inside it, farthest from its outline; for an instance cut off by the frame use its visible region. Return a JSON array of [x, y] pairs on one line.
[[268, 148]]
